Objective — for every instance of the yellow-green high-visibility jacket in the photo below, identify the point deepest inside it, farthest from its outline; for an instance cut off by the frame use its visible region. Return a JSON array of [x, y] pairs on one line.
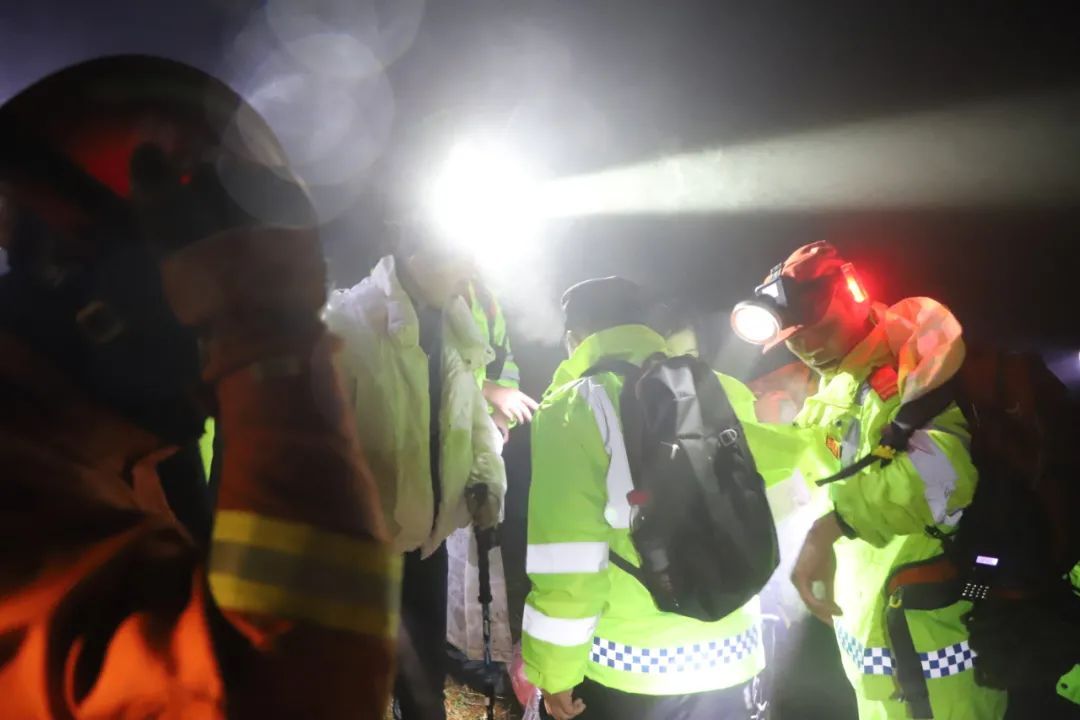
[[1068, 686], [206, 446], [386, 380], [491, 321], [584, 616], [889, 507]]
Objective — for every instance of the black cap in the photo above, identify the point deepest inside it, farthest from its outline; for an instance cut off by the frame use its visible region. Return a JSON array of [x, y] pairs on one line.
[[602, 303]]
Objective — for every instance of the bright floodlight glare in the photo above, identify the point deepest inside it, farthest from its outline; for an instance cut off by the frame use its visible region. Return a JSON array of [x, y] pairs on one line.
[[484, 197], [754, 323], [1018, 152]]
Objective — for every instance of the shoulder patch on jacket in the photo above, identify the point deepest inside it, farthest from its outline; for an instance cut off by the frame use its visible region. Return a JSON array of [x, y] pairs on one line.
[[834, 447], [884, 382]]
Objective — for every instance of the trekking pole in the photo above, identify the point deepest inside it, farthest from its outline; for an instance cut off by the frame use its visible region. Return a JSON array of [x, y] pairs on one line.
[[764, 685], [485, 541]]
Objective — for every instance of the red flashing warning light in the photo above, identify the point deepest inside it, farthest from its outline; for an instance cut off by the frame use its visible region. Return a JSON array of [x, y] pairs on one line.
[[858, 294]]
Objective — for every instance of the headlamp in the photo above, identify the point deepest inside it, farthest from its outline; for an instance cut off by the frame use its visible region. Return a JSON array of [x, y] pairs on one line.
[[760, 321], [755, 322], [782, 305]]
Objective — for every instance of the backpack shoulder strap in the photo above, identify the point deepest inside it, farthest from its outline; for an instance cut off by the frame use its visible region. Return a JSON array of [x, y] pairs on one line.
[[919, 413], [624, 368], [911, 417], [719, 416], [715, 405], [626, 566]]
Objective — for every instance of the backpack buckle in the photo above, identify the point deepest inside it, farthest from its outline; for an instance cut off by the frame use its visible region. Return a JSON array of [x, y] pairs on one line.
[[728, 437]]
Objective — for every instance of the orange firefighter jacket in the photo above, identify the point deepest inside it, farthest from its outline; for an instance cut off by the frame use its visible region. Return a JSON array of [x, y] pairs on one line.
[[109, 610]]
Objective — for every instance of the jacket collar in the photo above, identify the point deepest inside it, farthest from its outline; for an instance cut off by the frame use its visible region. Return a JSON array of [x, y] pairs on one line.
[[633, 343], [871, 352], [401, 319], [403, 324]]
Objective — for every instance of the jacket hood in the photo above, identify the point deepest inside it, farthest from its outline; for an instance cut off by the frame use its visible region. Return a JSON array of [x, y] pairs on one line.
[[625, 342], [381, 302], [924, 338]]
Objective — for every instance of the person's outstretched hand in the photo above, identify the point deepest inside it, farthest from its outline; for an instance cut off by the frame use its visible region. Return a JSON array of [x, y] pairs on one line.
[[512, 407], [814, 573], [563, 706]]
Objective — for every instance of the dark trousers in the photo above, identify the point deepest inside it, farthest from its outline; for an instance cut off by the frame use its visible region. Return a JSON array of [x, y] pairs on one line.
[[603, 703], [418, 690]]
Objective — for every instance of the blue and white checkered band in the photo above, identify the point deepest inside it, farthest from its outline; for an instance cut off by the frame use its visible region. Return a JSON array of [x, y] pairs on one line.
[[946, 661], [872, 660], [686, 658]]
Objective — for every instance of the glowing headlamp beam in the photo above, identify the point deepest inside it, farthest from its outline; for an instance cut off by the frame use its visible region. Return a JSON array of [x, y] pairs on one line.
[[1010, 153]]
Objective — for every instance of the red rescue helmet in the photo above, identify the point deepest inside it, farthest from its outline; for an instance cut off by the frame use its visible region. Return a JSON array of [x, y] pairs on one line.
[[795, 295], [105, 167]]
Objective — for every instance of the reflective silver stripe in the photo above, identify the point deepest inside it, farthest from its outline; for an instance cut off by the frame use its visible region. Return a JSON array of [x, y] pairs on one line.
[[937, 473], [565, 632], [959, 437], [863, 392], [568, 557], [619, 483], [849, 447]]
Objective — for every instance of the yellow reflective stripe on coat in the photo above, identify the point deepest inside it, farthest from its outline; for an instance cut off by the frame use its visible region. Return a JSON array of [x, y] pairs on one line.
[[293, 570]]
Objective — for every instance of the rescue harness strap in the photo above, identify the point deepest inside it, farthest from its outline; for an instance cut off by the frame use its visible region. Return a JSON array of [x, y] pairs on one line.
[[927, 585], [897, 435]]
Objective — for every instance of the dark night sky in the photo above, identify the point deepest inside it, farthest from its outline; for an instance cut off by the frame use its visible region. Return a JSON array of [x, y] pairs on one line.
[[596, 84]]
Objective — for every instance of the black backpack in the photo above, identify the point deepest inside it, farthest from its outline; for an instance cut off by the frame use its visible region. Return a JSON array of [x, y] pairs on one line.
[[1016, 541], [1024, 438], [1025, 430], [699, 516], [1018, 536]]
